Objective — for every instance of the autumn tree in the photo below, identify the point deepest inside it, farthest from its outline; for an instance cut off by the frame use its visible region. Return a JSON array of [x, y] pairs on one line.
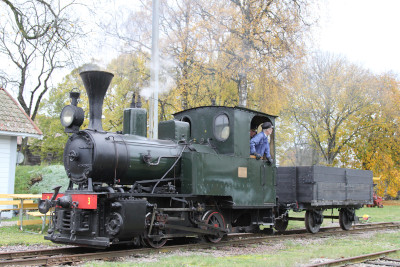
[[257, 39], [295, 147], [54, 137], [332, 100], [378, 148], [217, 46], [131, 74]]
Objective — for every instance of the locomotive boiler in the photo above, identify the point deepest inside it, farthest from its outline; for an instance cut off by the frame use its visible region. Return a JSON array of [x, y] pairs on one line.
[[103, 157], [197, 180]]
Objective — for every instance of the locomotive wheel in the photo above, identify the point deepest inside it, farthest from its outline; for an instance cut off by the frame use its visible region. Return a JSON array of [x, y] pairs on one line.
[[310, 220], [215, 219], [150, 241], [344, 219], [114, 223], [281, 224]]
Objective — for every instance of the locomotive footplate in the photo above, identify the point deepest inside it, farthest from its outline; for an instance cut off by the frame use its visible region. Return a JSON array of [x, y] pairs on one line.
[[96, 242]]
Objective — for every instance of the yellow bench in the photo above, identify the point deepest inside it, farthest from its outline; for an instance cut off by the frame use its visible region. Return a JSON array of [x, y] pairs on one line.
[[24, 202], [27, 204], [15, 202], [43, 219]]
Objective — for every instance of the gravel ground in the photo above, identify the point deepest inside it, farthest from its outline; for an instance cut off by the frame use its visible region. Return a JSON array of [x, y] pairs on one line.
[[24, 247]]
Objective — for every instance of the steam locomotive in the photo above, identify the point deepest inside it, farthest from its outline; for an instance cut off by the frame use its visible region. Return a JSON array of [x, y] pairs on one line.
[[196, 180]]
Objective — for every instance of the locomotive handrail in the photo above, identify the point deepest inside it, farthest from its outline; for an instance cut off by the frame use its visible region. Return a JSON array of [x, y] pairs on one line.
[[153, 181], [147, 159], [173, 165], [139, 143]]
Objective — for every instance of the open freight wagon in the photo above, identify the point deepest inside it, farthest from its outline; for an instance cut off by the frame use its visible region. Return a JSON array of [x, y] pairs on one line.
[[315, 189]]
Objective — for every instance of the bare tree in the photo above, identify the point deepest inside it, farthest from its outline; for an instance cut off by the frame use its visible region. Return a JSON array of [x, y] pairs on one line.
[[333, 101], [37, 38], [38, 25]]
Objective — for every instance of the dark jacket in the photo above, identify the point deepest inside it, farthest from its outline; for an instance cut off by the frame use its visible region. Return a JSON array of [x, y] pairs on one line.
[[259, 144]]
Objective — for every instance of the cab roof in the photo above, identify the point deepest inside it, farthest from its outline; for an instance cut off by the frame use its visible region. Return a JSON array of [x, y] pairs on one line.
[[237, 108]]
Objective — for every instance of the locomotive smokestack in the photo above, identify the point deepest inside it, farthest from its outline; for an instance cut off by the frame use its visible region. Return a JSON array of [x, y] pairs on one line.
[[96, 84]]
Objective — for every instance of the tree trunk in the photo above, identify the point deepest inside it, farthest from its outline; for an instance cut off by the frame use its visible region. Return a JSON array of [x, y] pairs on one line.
[[242, 88]]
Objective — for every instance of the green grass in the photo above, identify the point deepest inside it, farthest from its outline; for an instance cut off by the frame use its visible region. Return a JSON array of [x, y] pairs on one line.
[[292, 253], [11, 235], [385, 214]]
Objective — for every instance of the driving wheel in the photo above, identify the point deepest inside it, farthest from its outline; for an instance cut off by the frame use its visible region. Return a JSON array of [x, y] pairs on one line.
[[215, 219], [155, 240]]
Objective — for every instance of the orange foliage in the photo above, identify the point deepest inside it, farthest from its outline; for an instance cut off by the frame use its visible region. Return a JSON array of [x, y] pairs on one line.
[[379, 148]]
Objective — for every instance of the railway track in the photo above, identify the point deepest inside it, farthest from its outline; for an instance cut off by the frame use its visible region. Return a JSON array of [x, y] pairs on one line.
[[374, 259], [56, 256]]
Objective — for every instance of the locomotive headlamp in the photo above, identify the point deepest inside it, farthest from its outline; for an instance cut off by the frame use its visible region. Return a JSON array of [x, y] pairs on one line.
[[67, 116], [72, 116]]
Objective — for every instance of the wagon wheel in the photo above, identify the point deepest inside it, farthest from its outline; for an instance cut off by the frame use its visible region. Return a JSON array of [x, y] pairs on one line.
[[311, 219], [345, 218], [215, 219], [153, 242]]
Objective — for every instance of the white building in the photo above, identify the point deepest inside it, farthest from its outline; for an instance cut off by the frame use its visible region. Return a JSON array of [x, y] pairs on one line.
[[14, 122]]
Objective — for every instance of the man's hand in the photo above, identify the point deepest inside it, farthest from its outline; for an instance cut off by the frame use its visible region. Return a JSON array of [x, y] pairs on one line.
[[258, 156], [270, 161]]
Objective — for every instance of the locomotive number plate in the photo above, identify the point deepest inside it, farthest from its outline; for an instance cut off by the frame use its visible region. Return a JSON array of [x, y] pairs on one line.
[[85, 201]]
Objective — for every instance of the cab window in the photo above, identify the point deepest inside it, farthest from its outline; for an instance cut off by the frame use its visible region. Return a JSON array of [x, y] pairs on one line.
[[221, 127]]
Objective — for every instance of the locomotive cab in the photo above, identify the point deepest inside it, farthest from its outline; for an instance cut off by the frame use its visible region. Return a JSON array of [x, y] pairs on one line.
[[219, 163], [226, 129]]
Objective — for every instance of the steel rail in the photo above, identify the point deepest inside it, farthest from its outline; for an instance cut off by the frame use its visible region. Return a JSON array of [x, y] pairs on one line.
[[357, 259], [39, 252]]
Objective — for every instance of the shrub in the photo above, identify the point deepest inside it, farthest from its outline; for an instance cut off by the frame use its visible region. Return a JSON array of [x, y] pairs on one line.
[[23, 176], [52, 176]]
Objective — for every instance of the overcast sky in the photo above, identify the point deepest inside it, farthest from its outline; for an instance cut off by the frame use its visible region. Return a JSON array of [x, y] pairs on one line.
[[367, 32]]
